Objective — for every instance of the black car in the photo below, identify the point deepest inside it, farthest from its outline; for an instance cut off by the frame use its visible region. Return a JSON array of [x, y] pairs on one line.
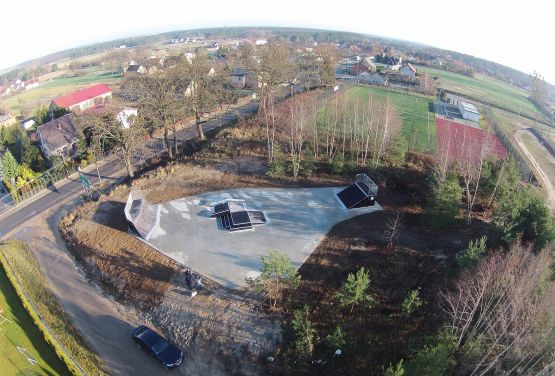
[[159, 347]]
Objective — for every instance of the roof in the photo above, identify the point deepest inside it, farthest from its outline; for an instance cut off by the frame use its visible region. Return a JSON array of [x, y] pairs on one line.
[[59, 132], [32, 81], [409, 65], [82, 95], [239, 72], [133, 68], [469, 107], [6, 117]]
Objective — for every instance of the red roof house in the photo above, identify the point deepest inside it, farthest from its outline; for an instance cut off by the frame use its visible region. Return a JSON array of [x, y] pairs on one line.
[[85, 98]]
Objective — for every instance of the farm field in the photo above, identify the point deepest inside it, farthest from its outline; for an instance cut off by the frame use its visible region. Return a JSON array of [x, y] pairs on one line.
[[483, 88], [21, 331], [418, 124], [30, 100]]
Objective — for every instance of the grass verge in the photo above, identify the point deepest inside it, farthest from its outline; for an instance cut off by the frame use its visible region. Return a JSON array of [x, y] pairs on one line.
[[17, 330], [23, 271]]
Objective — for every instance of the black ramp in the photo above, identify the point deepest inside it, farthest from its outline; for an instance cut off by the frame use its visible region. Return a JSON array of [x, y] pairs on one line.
[[351, 196]]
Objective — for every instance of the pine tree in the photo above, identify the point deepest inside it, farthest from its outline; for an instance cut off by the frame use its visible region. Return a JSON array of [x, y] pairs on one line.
[[355, 290], [9, 165]]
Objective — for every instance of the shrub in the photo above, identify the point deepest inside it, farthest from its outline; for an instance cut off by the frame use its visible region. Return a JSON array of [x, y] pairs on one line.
[[277, 273], [336, 339], [434, 359], [395, 369], [278, 168], [445, 202], [305, 334], [355, 290], [411, 303], [472, 254], [337, 164]]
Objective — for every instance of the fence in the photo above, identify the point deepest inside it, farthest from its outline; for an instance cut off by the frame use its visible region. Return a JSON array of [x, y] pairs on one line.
[[506, 139], [25, 192]]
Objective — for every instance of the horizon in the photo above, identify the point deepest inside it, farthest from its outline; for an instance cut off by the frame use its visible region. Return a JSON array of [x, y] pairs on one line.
[[408, 14]]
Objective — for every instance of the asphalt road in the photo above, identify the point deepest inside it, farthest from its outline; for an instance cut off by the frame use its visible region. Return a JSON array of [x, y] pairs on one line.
[[110, 171]]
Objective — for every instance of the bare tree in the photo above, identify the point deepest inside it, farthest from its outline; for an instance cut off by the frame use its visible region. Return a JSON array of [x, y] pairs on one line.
[[470, 163], [159, 99], [392, 230], [502, 313], [428, 84], [302, 110], [113, 132], [202, 88], [274, 68]]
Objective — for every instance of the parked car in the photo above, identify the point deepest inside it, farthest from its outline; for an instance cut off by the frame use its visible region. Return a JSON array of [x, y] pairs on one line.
[[159, 347]]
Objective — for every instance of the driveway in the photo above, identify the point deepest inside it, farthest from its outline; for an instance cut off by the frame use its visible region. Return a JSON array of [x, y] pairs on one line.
[[298, 219]]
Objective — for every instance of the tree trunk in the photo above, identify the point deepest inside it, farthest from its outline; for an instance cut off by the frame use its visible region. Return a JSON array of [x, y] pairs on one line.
[[199, 127], [174, 139], [168, 143], [129, 167]]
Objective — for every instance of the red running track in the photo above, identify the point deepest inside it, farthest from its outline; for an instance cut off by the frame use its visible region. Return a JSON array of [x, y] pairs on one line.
[[458, 141]]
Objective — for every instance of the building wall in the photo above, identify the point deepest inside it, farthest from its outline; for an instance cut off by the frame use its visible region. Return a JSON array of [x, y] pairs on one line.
[[238, 82], [470, 115]]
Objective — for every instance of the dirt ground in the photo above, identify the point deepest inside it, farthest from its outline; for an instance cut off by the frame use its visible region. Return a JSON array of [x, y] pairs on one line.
[[421, 260]]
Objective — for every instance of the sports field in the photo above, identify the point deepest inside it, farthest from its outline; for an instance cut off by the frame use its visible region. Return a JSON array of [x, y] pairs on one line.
[[18, 330], [484, 88], [30, 100], [457, 141], [418, 123]]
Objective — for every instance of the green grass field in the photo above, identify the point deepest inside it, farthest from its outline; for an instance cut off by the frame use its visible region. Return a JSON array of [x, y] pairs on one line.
[[30, 100], [418, 125], [21, 331], [484, 88]]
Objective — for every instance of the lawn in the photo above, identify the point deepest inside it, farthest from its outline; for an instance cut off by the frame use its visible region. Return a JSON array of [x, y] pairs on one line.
[[32, 99], [418, 123], [21, 331], [484, 88]]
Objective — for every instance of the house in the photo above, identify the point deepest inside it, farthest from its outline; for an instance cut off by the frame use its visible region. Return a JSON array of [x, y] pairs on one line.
[[238, 78], [5, 91], [212, 47], [59, 136], [368, 62], [82, 99], [28, 123], [372, 78], [469, 112], [6, 120], [31, 84], [260, 42], [408, 70], [134, 69], [125, 116], [356, 68], [390, 62]]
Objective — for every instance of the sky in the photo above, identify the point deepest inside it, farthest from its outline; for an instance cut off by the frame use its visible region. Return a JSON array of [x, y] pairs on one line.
[[518, 34]]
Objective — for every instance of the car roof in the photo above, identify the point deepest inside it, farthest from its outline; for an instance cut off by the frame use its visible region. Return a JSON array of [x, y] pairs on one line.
[[148, 335]]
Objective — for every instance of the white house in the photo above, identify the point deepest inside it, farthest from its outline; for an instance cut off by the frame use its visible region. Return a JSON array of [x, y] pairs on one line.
[[469, 112], [408, 70], [372, 78], [126, 116], [260, 42]]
